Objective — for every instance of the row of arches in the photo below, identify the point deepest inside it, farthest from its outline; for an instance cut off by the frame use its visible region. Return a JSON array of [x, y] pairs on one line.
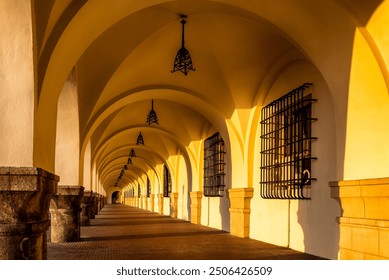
[[78, 88]]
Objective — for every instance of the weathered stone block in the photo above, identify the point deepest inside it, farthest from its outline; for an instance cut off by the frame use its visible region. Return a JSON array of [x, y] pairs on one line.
[[65, 213], [25, 194]]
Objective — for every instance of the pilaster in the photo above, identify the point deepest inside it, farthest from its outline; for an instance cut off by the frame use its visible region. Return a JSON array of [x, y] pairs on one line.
[[174, 205], [240, 211], [160, 203], [364, 222], [152, 202], [195, 207], [145, 204], [65, 210], [25, 194]]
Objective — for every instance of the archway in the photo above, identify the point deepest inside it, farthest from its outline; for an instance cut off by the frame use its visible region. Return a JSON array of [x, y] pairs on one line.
[[115, 197]]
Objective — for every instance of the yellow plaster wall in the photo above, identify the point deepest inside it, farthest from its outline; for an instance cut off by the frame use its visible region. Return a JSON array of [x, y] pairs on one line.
[[183, 190], [16, 84], [307, 225], [68, 140], [368, 114]]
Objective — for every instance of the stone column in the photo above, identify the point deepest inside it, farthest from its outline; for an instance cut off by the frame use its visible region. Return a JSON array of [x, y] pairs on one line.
[[195, 207], [86, 208], [152, 202], [65, 211], [364, 221], [240, 211], [160, 203], [25, 194], [98, 203], [173, 205], [104, 201], [93, 205], [140, 201]]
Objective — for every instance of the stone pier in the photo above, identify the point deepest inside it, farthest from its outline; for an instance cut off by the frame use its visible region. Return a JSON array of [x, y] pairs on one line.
[[25, 194], [195, 207], [65, 210], [240, 211], [93, 205], [86, 208]]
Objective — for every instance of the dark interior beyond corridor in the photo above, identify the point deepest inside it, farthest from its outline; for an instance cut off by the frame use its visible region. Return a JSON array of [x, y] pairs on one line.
[[115, 197]]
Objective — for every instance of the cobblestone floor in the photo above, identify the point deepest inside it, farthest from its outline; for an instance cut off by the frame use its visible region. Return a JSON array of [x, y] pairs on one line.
[[121, 232]]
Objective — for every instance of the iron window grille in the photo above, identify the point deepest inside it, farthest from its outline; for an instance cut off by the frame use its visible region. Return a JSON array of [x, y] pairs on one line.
[[148, 187], [167, 182], [214, 165], [286, 146]]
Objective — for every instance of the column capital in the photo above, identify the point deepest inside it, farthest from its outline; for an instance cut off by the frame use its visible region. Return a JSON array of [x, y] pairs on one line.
[[25, 194]]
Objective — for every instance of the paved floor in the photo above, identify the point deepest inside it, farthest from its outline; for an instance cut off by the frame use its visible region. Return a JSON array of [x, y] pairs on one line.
[[121, 232]]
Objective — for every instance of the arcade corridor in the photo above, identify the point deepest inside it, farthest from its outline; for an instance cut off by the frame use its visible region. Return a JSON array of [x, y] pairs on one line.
[[121, 232], [208, 129]]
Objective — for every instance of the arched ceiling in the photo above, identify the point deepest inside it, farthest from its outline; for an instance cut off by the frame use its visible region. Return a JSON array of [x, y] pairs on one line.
[[125, 61]]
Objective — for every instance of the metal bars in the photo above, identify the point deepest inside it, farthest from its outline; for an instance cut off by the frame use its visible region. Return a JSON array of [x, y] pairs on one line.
[[214, 163], [148, 187], [167, 182], [286, 146]]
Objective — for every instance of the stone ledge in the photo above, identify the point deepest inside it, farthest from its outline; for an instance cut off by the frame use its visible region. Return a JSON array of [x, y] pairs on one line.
[[24, 178], [70, 190], [360, 182], [383, 224]]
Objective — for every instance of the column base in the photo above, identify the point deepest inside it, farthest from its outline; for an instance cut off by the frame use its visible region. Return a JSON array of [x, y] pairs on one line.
[[195, 207], [364, 224], [25, 194], [240, 211], [86, 208], [65, 213], [160, 203], [174, 205]]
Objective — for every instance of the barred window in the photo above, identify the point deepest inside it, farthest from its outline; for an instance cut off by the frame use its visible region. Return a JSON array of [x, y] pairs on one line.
[[214, 163], [139, 190], [167, 182], [286, 145], [148, 187]]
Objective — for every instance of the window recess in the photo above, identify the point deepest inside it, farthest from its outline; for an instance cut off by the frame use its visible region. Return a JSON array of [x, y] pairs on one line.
[[214, 165], [286, 140], [167, 182]]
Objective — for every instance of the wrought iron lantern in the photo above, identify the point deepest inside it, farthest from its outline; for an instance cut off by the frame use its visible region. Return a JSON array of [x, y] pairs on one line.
[[139, 140], [183, 60], [152, 116], [132, 153]]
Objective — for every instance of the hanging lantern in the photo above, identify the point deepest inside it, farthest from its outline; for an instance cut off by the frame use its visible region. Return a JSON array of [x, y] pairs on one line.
[[183, 60], [152, 116], [139, 140]]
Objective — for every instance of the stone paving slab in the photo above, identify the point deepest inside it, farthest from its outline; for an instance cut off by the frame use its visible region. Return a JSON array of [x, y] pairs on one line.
[[121, 232]]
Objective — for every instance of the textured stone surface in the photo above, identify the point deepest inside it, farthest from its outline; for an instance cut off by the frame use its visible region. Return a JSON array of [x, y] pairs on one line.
[[365, 218], [86, 208], [25, 194], [121, 232], [94, 205], [65, 213]]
